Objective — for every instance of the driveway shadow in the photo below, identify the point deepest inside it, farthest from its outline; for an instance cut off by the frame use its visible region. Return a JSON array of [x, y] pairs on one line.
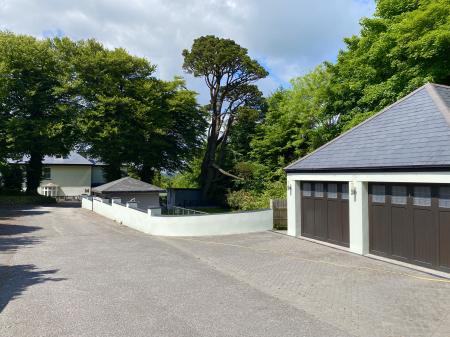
[[12, 244], [11, 237], [6, 229], [14, 280]]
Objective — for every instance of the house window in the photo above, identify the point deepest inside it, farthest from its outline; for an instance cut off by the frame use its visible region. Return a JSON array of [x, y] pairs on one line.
[[332, 191], [399, 195], [46, 173], [344, 193], [318, 190], [378, 193], [444, 197], [422, 195], [306, 189]]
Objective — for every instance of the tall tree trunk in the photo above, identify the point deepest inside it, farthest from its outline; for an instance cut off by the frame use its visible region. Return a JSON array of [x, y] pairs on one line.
[[224, 141], [34, 172], [208, 172], [147, 173]]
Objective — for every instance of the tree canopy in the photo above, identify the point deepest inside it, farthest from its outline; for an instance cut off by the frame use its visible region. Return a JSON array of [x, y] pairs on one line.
[[405, 45], [57, 94], [229, 73], [132, 118], [36, 107]]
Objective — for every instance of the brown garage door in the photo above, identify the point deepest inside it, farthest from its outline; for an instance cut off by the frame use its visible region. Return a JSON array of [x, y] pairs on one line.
[[325, 212], [411, 223]]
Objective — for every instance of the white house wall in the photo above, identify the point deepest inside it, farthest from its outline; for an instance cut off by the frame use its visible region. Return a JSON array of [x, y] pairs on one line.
[[72, 180], [358, 198]]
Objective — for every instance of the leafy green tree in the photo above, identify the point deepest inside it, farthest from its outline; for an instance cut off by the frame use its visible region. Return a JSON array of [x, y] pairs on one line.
[[110, 84], [244, 130], [297, 121], [170, 134], [35, 110], [130, 117], [405, 45], [229, 74], [186, 178], [11, 177]]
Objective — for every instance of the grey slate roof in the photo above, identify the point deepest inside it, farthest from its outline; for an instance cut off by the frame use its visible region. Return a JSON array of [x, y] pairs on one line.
[[127, 184], [73, 158], [414, 132]]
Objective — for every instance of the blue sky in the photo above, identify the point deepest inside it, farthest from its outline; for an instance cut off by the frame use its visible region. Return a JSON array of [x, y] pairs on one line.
[[289, 37]]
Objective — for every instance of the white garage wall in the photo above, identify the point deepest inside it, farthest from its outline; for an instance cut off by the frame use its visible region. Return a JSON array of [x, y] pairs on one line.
[[193, 225], [358, 201]]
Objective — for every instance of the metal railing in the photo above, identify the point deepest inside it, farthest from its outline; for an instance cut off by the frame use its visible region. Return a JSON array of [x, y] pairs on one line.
[[175, 210]]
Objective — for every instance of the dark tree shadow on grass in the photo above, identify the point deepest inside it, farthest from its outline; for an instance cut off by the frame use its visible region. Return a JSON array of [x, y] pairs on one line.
[[14, 280]]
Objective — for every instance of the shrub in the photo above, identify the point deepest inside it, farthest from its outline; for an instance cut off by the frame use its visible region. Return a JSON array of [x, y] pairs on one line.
[[250, 200]]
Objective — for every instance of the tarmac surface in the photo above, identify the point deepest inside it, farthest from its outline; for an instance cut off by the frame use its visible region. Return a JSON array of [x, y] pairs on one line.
[[65, 271]]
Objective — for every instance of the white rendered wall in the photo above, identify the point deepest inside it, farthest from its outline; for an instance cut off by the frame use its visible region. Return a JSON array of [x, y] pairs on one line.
[[193, 225], [294, 207], [72, 180], [358, 202], [359, 217], [86, 203]]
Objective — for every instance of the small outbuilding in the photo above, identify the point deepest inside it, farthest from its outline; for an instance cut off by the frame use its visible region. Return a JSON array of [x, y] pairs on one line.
[[383, 187], [131, 190]]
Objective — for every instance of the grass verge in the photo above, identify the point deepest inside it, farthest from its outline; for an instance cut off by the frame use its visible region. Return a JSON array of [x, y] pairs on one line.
[[25, 199]]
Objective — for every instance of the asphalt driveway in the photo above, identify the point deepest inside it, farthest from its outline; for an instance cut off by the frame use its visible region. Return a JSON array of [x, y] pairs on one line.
[[65, 271]]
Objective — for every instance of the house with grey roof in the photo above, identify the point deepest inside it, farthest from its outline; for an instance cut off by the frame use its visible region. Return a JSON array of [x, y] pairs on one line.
[[131, 191], [68, 176], [382, 188]]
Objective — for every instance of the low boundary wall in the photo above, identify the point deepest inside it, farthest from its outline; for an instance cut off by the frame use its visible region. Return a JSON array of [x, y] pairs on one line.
[[191, 225]]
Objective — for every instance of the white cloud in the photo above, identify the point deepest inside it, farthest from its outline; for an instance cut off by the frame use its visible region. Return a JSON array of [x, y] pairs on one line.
[[290, 37]]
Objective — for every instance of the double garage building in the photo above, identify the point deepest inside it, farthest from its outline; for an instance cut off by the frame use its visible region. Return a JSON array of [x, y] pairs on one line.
[[382, 188]]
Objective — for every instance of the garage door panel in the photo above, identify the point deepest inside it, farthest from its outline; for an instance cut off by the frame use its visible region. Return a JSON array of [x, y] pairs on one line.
[[379, 229], [345, 222], [334, 221], [401, 230], [424, 236], [320, 219], [444, 239], [308, 217]]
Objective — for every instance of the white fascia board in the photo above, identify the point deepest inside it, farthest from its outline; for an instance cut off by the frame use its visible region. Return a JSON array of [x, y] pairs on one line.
[[388, 177]]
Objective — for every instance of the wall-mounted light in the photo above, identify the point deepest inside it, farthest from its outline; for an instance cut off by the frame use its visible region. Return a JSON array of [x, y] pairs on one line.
[[290, 188], [352, 189]]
